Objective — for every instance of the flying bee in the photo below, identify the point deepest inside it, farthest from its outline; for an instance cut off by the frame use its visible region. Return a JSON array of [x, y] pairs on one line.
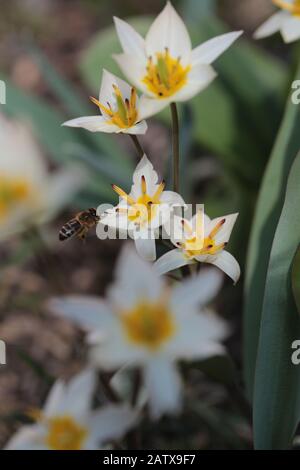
[[79, 225]]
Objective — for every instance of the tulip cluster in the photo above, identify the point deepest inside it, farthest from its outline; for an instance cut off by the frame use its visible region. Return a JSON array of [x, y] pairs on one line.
[[147, 322]]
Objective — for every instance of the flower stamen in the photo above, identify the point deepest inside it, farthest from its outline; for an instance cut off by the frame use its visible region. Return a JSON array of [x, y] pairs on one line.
[[159, 191], [216, 229], [166, 75], [143, 209], [149, 324], [294, 7], [12, 192], [125, 115], [65, 434], [198, 245], [123, 195], [144, 185], [104, 109]]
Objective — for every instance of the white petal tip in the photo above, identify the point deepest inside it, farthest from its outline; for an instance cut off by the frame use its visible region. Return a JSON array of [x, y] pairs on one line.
[[258, 35], [239, 33], [71, 123]]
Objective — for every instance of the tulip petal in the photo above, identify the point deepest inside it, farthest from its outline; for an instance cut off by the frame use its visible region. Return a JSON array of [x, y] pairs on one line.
[[151, 106], [133, 70], [115, 220], [107, 93], [223, 235], [145, 246], [272, 25], [199, 78], [206, 221], [174, 259], [78, 394], [92, 124], [171, 197], [290, 29], [88, 312], [111, 422], [210, 50], [54, 398], [27, 438], [115, 353], [198, 335], [131, 41], [137, 129], [197, 290], [163, 385], [224, 261], [169, 31], [144, 169], [133, 276]]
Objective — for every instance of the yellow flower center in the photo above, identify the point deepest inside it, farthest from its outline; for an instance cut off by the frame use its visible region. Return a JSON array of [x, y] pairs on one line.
[[165, 75], [65, 434], [149, 324], [294, 7], [198, 245], [125, 114], [12, 192], [143, 209]]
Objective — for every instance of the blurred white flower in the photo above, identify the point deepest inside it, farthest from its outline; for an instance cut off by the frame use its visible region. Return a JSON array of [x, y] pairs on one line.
[[143, 210], [28, 193], [68, 423], [163, 65], [202, 240], [287, 21], [145, 323], [120, 107]]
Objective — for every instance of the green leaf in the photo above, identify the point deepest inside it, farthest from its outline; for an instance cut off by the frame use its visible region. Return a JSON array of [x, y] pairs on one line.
[[121, 177], [220, 369], [266, 218], [59, 142], [75, 106], [194, 11], [43, 119], [238, 115], [63, 89], [277, 380], [35, 365]]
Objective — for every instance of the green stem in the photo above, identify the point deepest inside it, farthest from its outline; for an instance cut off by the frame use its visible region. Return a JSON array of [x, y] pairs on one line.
[[175, 145], [137, 145]]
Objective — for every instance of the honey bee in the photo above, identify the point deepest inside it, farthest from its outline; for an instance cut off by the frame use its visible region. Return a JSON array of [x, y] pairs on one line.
[[79, 225]]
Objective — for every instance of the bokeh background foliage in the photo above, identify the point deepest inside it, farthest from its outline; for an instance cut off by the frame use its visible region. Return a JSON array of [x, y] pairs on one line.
[[239, 143]]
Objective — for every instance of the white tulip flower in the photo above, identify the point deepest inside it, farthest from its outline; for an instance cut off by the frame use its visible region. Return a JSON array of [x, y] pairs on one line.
[[147, 324], [163, 65], [287, 21], [29, 195], [141, 212], [120, 107], [200, 244], [67, 421]]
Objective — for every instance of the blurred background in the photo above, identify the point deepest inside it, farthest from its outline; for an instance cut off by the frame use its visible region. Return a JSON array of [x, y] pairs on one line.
[[51, 56]]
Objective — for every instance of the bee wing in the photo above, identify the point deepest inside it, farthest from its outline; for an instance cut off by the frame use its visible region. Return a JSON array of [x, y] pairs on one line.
[[82, 233]]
